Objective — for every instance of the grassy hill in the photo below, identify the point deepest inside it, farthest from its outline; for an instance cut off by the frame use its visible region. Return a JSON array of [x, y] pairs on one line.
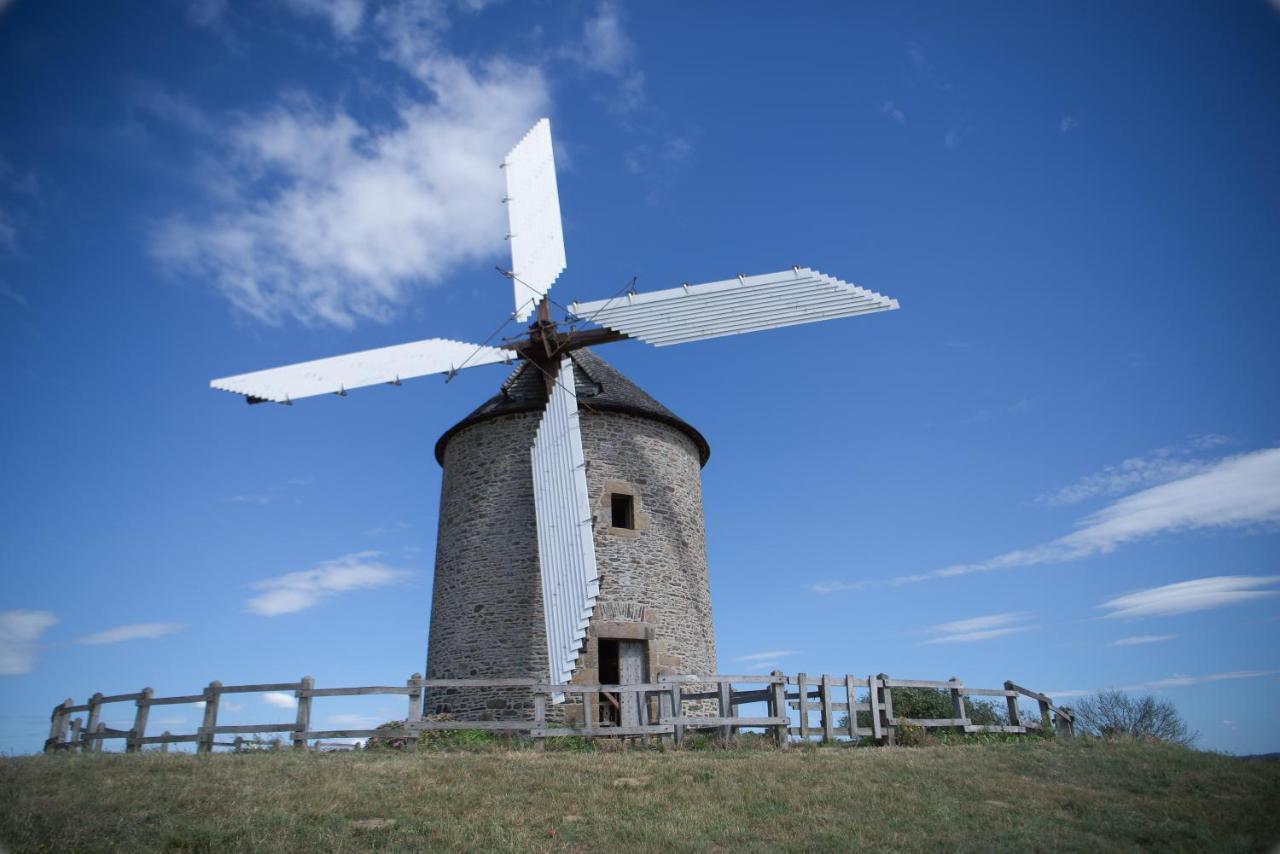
[[1036, 794]]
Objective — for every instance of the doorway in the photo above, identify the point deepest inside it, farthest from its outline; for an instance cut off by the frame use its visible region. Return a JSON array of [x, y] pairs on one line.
[[621, 662]]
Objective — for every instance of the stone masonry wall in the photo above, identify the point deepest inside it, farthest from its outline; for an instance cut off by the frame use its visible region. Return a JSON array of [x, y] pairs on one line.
[[486, 617]]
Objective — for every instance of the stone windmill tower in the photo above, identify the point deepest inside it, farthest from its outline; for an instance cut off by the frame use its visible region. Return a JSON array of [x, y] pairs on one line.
[[571, 539], [653, 611]]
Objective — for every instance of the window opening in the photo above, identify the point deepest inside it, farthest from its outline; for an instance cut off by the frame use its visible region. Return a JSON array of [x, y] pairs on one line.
[[622, 510]]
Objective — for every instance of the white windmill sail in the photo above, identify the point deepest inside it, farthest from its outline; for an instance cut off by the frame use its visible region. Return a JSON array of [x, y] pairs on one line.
[[340, 374], [533, 217], [733, 306], [566, 548]]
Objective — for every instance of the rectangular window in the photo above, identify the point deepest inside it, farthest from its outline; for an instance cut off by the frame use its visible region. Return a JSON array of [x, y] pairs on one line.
[[622, 509]]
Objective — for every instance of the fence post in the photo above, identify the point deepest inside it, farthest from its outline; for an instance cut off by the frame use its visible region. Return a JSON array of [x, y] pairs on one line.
[[873, 700], [886, 709], [1064, 721], [164, 745], [58, 725], [415, 706], [1015, 718], [802, 688], [96, 743], [642, 714], [957, 703], [139, 732], [539, 721], [828, 728], [74, 743], [853, 716], [780, 731], [212, 695], [723, 691], [91, 726], [677, 711], [303, 722]]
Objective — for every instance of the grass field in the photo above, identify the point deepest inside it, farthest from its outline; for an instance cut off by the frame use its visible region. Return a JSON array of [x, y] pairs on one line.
[[1031, 794]]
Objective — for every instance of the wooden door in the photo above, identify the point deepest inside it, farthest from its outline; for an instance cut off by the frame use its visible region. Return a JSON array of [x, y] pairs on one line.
[[631, 671]]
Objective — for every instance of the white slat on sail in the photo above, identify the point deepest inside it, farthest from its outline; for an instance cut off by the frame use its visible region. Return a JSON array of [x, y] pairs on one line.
[[340, 374], [566, 549], [733, 306], [533, 216]]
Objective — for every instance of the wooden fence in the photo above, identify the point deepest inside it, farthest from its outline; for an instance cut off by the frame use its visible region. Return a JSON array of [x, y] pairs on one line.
[[661, 707]]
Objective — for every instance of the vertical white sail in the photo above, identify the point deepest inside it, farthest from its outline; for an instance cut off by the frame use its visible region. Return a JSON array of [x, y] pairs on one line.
[[566, 548]]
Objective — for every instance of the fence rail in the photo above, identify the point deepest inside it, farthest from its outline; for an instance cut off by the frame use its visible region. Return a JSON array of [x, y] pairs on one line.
[[660, 705]]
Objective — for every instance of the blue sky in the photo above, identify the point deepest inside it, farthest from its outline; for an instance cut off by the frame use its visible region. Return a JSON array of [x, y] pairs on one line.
[[1074, 411]]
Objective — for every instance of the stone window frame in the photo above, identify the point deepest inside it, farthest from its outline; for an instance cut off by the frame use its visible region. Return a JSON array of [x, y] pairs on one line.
[[604, 509]]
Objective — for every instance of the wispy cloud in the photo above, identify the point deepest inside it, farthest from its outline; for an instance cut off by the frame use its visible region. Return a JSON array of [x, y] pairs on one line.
[[1199, 594], [351, 721], [1177, 681], [1236, 492], [206, 13], [393, 527], [20, 633], [344, 16], [1159, 466], [324, 218], [134, 631], [1068, 124], [987, 627], [893, 111], [297, 591], [769, 658], [280, 700], [260, 500], [1139, 640], [956, 134], [605, 48]]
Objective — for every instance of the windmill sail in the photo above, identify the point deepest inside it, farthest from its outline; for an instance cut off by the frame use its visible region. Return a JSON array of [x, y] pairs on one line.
[[733, 306], [533, 216], [566, 548], [340, 374]]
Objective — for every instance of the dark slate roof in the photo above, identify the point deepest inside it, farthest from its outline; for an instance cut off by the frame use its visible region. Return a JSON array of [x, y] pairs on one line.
[[599, 386]]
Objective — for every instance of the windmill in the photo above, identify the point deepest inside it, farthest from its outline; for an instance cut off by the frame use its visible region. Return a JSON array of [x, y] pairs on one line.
[[553, 355]]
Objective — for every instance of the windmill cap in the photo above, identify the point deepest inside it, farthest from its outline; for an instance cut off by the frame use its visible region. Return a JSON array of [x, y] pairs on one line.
[[600, 387]]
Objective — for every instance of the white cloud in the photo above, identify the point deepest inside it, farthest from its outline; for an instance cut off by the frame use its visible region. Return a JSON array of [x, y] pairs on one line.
[[327, 220], [764, 659], [605, 47], [987, 627], [134, 631], [1159, 466], [824, 587], [345, 16], [893, 111], [206, 13], [20, 633], [1199, 594], [297, 591], [1138, 640], [260, 500], [1068, 124], [1179, 681], [956, 134], [349, 721], [1234, 492], [280, 700]]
